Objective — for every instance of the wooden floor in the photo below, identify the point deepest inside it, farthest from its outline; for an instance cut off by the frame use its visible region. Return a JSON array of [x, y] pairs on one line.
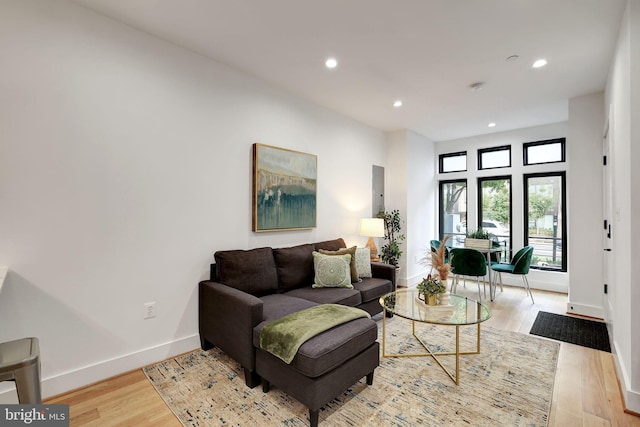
[[586, 391]]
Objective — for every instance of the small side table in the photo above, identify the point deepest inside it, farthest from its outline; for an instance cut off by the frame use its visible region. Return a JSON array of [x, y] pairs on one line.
[[20, 362]]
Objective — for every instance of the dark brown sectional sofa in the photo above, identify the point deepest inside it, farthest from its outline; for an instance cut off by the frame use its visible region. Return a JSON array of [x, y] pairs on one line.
[[250, 288]]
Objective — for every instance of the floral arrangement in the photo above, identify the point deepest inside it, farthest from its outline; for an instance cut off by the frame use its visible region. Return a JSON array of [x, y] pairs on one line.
[[437, 260], [431, 286]]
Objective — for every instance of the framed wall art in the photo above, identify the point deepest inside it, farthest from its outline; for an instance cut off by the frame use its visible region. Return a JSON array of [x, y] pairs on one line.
[[284, 189]]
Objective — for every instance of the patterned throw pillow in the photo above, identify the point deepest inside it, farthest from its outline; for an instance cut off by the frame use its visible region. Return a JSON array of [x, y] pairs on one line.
[[363, 262], [331, 271], [351, 251]]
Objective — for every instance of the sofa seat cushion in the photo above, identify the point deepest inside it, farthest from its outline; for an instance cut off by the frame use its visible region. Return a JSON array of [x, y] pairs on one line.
[[372, 289], [344, 296], [295, 266], [253, 271], [278, 305], [331, 348]]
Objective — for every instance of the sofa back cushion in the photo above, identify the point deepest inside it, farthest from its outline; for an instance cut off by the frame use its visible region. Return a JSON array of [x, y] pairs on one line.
[[252, 271], [330, 245], [295, 266]]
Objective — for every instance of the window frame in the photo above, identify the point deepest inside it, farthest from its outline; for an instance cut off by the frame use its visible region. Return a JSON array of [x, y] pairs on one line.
[[441, 158], [441, 212], [480, 180], [481, 151], [563, 151], [563, 189]]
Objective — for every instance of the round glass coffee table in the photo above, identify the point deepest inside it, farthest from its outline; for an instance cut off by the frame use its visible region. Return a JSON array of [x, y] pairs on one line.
[[460, 311]]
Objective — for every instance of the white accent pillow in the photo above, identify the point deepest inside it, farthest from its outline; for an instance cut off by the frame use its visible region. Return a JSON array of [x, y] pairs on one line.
[[363, 262], [331, 271]]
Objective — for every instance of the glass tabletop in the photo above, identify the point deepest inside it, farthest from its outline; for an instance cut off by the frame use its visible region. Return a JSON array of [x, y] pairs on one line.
[[459, 311]]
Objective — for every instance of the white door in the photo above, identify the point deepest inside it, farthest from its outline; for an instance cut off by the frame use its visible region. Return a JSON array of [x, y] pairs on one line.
[[607, 235]]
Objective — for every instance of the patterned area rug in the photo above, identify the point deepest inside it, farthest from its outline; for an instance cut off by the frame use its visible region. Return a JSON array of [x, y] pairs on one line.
[[510, 383]]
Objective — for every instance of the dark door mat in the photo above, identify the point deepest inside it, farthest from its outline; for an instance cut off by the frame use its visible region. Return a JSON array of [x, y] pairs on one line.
[[587, 333]]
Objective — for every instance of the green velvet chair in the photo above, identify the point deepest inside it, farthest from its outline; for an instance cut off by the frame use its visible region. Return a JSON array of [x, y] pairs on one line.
[[495, 257], [468, 262], [520, 264]]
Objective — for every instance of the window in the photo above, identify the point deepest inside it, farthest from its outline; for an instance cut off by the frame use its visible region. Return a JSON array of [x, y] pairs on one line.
[[453, 209], [494, 210], [549, 151], [494, 157], [453, 162], [545, 219]]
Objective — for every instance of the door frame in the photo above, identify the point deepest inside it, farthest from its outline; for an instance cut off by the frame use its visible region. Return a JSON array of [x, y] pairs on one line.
[[608, 278]]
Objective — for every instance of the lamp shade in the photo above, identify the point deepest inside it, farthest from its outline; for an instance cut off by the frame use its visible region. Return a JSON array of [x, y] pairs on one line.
[[372, 227]]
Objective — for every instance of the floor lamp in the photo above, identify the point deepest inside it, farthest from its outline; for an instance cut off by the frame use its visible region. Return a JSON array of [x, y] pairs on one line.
[[372, 227]]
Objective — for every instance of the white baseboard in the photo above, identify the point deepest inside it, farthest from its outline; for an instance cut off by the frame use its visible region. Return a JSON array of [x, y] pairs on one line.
[[631, 397], [585, 310], [90, 374], [415, 279]]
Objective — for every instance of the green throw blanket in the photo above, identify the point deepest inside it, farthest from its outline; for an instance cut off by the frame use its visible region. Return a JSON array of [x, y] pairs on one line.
[[284, 336]]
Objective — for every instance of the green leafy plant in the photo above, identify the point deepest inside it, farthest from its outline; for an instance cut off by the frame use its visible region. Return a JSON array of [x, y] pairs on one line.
[[390, 251], [478, 234], [431, 286]]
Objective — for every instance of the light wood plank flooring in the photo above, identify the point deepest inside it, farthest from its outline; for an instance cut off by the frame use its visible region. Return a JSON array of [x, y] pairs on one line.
[[586, 391]]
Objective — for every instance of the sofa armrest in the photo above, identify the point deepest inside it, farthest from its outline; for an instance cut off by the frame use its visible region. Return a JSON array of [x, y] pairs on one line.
[[226, 318], [381, 270]]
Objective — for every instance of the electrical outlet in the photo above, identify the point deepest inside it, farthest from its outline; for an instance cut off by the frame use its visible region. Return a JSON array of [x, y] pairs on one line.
[[149, 310]]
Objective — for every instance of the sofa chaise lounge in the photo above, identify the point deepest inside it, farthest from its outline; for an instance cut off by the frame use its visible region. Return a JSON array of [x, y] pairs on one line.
[[248, 289]]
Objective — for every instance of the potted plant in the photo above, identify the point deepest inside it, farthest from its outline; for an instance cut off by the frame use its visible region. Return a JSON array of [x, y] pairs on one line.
[[478, 239], [431, 287], [390, 251]]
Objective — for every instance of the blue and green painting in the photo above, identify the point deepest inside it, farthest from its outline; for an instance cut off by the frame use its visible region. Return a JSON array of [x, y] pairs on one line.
[[285, 189]]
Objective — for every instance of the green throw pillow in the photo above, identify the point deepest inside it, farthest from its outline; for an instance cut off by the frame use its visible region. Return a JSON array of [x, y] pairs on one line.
[[352, 265], [363, 262], [331, 271]]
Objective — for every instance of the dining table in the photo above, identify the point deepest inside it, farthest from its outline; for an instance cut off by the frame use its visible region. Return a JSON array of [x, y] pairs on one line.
[[487, 251]]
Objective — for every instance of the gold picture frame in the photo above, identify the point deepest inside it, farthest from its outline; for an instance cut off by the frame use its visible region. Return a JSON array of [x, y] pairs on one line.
[[284, 189]]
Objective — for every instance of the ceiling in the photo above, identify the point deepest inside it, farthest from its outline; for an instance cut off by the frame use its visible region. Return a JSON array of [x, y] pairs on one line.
[[424, 52]]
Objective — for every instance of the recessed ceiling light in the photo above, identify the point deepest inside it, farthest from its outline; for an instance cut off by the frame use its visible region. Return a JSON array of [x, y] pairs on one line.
[[397, 103], [539, 63], [512, 58], [477, 86], [331, 63], [491, 125]]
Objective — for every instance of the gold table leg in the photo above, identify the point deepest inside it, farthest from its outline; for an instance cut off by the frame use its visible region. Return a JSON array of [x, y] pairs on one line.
[[457, 352]]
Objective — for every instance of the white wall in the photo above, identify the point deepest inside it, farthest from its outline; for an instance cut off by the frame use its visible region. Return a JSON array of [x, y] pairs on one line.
[[125, 162], [633, 398], [623, 100], [584, 204], [548, 280], [422, 190], [396, 190], [411, 182]]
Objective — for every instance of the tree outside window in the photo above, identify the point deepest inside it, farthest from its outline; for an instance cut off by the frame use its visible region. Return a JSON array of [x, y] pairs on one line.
[[453, 208], [545, 201]]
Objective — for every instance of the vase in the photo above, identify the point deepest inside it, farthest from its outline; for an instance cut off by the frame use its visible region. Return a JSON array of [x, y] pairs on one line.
[[431, 299], [444, 298]]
